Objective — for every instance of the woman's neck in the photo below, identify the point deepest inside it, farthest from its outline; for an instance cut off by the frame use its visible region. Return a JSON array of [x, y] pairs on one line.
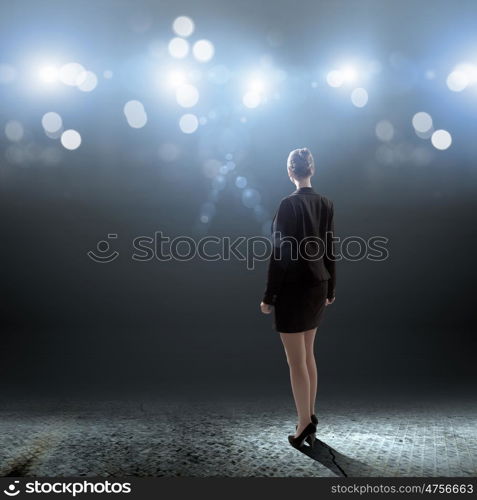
[[304, 183]]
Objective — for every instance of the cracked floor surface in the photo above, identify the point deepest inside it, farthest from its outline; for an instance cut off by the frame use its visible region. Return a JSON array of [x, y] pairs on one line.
[[236, 438]]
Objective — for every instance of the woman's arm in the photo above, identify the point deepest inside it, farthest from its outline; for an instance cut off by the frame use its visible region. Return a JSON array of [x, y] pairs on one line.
[[329, 258], [284, 241]]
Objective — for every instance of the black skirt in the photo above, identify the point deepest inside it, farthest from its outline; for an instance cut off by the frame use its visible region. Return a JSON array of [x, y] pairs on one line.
[[300, 307]]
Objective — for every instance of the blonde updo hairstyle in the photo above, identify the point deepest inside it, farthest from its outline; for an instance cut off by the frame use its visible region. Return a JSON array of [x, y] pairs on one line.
[[300, 163]]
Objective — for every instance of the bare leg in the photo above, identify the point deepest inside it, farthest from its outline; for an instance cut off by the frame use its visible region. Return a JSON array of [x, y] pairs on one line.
[[294, 344], [311, 366]]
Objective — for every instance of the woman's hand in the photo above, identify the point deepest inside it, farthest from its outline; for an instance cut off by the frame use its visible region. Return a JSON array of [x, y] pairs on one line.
[[328, 302], [265, 308]]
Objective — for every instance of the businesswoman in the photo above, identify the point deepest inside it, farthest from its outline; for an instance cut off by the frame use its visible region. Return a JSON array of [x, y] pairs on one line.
[[301, 283]]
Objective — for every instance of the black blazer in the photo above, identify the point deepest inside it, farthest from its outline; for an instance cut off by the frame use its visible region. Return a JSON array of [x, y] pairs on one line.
[[302, 232]]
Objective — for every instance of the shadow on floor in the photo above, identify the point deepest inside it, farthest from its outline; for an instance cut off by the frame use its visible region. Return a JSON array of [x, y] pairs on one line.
[[336, 462]]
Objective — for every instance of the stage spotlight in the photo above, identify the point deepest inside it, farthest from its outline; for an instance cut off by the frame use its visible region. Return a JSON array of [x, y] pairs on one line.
[[359, 97], [187, 96], [178, 48], [51, 122], [252, 99], [470, 70], [49, 74], [70, 139], [441, 139], [70, 72], [346, 74], [188, 123], [135, 114], [255, 88], [349, 74], [256, 85], [176, 78], [203, 50], [183, 26], [422, 122]]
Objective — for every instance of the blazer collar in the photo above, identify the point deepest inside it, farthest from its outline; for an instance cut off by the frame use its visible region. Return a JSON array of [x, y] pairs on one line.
[[304, 190]]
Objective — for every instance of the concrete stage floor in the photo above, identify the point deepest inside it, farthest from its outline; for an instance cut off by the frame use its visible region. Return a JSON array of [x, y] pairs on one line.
[[236, 438]]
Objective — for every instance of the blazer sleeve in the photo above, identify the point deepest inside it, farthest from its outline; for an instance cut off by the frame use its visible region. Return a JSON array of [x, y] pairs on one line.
[[329, 258], [283, 228]]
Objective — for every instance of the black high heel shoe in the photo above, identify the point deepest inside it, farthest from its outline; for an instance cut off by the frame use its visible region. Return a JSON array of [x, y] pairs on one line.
[[312, 437], [308, 431]]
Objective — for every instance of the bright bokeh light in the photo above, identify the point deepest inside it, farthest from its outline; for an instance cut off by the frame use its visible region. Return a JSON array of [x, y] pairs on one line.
[[359, 97], [49, 74], [178, 48], [241, 182], [176, 78], [335, 78], [187, 95], [135, 114], [252, 99], [51, 122], [463, 76], [188, 123], [203, 50], [87, 81], [349, 74], [469, 69], [256, 84], [207, 211], [457, 81], [70, 72], [346, 74], [441, 139], [71, 139], [14, 131], [183, 26], [384, 130], [422, 122]]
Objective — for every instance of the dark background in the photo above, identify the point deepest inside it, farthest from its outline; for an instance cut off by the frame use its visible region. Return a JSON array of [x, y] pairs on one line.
[[74, 327]]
